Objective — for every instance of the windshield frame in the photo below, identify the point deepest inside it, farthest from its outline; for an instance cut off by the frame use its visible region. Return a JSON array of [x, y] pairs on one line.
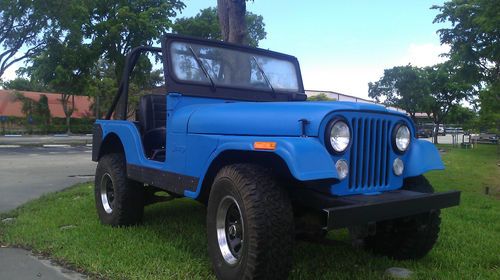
[[193, 88]]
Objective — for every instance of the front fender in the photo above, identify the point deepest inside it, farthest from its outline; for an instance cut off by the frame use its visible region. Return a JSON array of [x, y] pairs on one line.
[[423, 156], [306, 158]]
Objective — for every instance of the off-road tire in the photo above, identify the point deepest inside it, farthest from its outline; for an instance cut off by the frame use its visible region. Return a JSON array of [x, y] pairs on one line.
[[408, 237], [267, 215], [128, 195]]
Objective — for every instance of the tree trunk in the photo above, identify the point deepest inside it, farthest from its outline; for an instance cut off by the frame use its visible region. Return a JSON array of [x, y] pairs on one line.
[[68, 124], [412, 116], [97, 109], [234, 30], [435, 132], [232, 21], [68, 109]]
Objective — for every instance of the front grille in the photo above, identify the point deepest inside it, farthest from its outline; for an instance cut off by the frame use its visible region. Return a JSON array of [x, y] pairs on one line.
[[370, 153]]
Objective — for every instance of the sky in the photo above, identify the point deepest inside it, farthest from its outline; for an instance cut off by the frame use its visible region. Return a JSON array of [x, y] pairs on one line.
[[343, 45]]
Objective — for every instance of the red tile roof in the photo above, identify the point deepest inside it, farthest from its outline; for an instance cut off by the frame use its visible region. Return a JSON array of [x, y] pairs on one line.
[[9, 106]]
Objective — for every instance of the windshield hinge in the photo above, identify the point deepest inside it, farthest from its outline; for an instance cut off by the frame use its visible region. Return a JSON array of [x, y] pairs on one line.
[[304, 123]]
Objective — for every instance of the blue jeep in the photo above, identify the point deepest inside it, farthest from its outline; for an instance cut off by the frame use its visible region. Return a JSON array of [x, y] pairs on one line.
[[233, 130]]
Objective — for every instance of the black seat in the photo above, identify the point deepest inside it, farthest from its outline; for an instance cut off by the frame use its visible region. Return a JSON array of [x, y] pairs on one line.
[[152, 117]]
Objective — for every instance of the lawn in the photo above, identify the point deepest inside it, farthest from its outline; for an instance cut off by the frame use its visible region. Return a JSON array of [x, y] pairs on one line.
[[171, 243]]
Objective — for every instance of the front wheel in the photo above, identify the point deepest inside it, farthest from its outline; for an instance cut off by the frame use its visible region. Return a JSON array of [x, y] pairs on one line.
[[408, 237], [249, 225]]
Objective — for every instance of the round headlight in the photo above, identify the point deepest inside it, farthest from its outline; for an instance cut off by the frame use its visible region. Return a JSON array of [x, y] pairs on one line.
[[339, 136], [402, 138]]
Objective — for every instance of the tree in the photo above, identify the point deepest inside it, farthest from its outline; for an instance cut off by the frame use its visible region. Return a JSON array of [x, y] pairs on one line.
[[489, 114], [43, 112], [117, 26], [434, 90], [474, 40], [206, 25], [27, 105], [320, 97], [37, 111], [463, 116], [64, 67], [24, 26], [405, 87], [447, 89], [232, 21], [103, 86], [473, 37], [94, 30], [23, 84], [111, 28]]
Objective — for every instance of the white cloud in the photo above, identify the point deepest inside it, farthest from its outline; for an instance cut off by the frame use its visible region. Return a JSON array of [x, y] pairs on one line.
[[353, 79], [424, 54], [350, 79]]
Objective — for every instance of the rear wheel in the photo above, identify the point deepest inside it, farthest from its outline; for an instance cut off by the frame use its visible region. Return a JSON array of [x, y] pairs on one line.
[[119, 200], [408, 237], [249, 225]]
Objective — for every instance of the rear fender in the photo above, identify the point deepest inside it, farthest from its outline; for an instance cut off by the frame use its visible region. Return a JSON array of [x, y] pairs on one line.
[[129, 136]]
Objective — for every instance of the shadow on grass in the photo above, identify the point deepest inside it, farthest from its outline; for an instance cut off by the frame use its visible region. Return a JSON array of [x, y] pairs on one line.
[[181, 224]]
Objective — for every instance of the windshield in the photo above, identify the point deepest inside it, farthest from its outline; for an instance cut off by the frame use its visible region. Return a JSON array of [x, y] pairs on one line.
[[217, 66]]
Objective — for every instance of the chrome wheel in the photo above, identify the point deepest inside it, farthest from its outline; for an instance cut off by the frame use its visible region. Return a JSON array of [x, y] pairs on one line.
[[107, 193], [229, 224]]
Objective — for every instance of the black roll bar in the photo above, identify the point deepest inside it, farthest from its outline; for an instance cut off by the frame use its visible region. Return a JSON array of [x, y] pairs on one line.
[[130, 62]]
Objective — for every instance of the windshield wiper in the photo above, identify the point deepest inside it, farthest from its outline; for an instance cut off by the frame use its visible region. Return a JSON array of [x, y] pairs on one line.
[[265, 76], [200, 63]]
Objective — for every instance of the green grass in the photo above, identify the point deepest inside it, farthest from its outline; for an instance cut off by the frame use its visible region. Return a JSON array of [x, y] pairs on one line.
[[171, 243]]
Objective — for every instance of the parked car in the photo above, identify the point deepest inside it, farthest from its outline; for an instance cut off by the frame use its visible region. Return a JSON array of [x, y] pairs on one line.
[[441, 130], [424, 133], [233, 130], [454, 130], [485, 138]]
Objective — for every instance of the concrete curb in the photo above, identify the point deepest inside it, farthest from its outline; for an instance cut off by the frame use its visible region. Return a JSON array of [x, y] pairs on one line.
[[73, 140]]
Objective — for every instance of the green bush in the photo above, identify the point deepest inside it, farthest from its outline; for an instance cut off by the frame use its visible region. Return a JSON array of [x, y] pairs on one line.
[[16, 125]]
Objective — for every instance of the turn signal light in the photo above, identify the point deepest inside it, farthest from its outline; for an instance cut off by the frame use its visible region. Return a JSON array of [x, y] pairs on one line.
[[269, 146]]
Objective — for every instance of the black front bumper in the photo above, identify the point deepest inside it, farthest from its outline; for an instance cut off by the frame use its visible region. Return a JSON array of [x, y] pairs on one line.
[[363, 209], [356, 210]]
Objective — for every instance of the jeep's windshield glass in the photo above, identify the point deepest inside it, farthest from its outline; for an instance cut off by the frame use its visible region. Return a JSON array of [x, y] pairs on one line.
[[232, 68]]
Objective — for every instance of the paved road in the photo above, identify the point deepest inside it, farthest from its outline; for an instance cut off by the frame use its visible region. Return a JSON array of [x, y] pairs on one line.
[[25, 174], [28, 172]]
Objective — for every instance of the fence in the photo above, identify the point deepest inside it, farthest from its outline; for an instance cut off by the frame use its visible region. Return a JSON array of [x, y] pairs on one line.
[[344, 97]]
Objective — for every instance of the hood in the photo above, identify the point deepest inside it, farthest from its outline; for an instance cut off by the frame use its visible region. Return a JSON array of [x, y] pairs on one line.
[[268, 118]]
